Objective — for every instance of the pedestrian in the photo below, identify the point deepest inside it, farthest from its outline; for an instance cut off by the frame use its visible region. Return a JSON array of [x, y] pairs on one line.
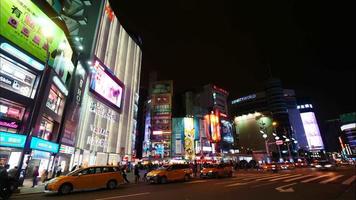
[[195, 168], [34, 176], [59, 171], [13, 172], [137, 174], [124, 175]]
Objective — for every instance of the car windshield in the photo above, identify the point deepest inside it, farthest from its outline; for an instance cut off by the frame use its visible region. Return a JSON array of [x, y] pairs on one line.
[[75, 172]]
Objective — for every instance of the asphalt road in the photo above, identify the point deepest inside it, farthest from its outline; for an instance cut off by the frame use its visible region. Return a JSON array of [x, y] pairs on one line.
[[297, 184]]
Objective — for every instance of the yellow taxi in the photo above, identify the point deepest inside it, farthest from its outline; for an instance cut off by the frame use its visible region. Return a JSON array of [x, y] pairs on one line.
[[88, 178], [216, 171], [174, 172]]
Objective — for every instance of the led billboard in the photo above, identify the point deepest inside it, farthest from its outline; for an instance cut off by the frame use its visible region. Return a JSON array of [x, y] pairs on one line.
[[106, 85], [312, 132]]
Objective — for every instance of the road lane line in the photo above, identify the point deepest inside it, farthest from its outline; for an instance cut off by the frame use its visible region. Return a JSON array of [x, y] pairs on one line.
[[313, 179], [331, 179], [235, 184], [349, 180], [274, 176], [263, 177], [285, 177], [198, 181], [297, 178], [122, 196]]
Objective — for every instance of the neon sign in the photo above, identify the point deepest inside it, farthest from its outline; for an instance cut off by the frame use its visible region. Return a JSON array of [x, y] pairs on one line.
[[9, 124], [12, 140]]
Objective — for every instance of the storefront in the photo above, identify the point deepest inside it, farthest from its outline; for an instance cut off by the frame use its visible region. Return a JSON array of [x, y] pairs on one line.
[[11, 146], [42, 154]]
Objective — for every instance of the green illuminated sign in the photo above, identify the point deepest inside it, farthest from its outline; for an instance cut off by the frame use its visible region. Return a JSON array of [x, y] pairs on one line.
[[24, 24]]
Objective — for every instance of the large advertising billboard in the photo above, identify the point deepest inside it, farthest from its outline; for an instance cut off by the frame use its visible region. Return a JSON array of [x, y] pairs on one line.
[[23, 23], [312, 132], [105, 85], [189, 132]]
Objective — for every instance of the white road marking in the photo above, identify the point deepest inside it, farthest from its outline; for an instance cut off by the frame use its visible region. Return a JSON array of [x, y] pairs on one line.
[[331, 179], [235, 184], [199, 181], [285, 177], [122, 196], [274, 176], [297, 178], [313, 179], [290, 189], [349, 180], [264, 176]]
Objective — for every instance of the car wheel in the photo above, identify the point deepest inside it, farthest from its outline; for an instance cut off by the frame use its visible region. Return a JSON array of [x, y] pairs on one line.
[[186, 177], [163, 180], [111, 185], [65, 189]]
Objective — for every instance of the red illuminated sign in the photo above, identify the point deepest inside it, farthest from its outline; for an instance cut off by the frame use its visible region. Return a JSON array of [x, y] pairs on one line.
[[213, 126]]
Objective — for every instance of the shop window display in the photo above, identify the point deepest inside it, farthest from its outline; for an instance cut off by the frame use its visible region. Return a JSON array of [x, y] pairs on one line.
[[46, 129], [11, 115], [55, 99], [16, 78]]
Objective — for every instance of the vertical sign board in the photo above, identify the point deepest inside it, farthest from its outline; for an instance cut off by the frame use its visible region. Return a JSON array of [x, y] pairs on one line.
[[312, 132], [189, 132]]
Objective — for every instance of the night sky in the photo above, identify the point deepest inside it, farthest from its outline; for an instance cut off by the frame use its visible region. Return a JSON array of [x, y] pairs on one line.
[[309, 45]]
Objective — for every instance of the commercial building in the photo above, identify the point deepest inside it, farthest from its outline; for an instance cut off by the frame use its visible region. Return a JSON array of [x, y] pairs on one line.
[[35, 72], [347, 138], [263, 117]]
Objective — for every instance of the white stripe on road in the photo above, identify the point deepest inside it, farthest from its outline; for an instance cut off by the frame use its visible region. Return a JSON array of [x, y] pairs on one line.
[[331, 179], [293, 179], [274, 176], [313, 179], [235, 184], [122, 196], [264, 176], [285, 177], [349, 180], [199, 181]]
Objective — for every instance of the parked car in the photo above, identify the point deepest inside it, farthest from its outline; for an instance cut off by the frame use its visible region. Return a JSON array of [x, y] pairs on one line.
[[174, 172], [216, 171], [88, 178]]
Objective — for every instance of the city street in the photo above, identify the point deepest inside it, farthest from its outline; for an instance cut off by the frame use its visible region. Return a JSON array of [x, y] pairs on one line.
[[296, 184]]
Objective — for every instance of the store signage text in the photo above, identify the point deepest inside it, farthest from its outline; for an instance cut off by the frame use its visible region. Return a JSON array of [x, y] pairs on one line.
[[44, 145], [245, 98], [101, 111], [66, 149], [97, 141], [12, 140], [9, 124]]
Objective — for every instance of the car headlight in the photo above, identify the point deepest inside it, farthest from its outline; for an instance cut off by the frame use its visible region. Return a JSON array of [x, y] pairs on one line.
[[318, 166], [201, 171], [211, 171], [328, 165]]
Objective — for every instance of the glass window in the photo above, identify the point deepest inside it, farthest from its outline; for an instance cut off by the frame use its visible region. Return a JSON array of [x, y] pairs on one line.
[[11, 115], [98, 170], [55, 100], [16, 78], [46, 128]]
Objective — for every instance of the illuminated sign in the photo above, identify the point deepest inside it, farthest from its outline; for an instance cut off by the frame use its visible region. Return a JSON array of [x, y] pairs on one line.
[[226, 131], [312, 132], [66, 149], [348, 126], [60, 85], [106, 85], [23, 57], [44, 145], [9, 124], [214, 126], [245, 98], [189, 132], [23, 23], [12, 140]]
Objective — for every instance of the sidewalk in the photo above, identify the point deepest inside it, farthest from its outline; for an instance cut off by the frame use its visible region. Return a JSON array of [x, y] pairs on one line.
[[27, 189]]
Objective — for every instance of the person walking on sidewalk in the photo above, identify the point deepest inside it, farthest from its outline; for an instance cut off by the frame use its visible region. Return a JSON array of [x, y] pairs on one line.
[[137, 174], [124, 175], [34, 176]]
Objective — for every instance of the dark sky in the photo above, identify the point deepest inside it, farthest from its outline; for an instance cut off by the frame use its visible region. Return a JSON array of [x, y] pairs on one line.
[[309, 45]]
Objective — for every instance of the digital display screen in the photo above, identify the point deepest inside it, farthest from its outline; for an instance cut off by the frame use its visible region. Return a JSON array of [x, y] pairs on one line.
[[312, 132], [106, 85]]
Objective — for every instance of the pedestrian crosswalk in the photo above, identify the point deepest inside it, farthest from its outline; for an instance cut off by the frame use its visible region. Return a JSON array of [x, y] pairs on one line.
[[267, 178]]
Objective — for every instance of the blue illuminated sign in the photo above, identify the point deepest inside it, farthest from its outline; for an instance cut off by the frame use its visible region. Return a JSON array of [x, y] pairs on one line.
[[44, 145], [12, 140]]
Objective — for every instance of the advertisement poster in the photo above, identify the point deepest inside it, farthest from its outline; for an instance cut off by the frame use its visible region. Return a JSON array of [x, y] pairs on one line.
[[22, 22], [312, 131], [106, 85], [189, 132]]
